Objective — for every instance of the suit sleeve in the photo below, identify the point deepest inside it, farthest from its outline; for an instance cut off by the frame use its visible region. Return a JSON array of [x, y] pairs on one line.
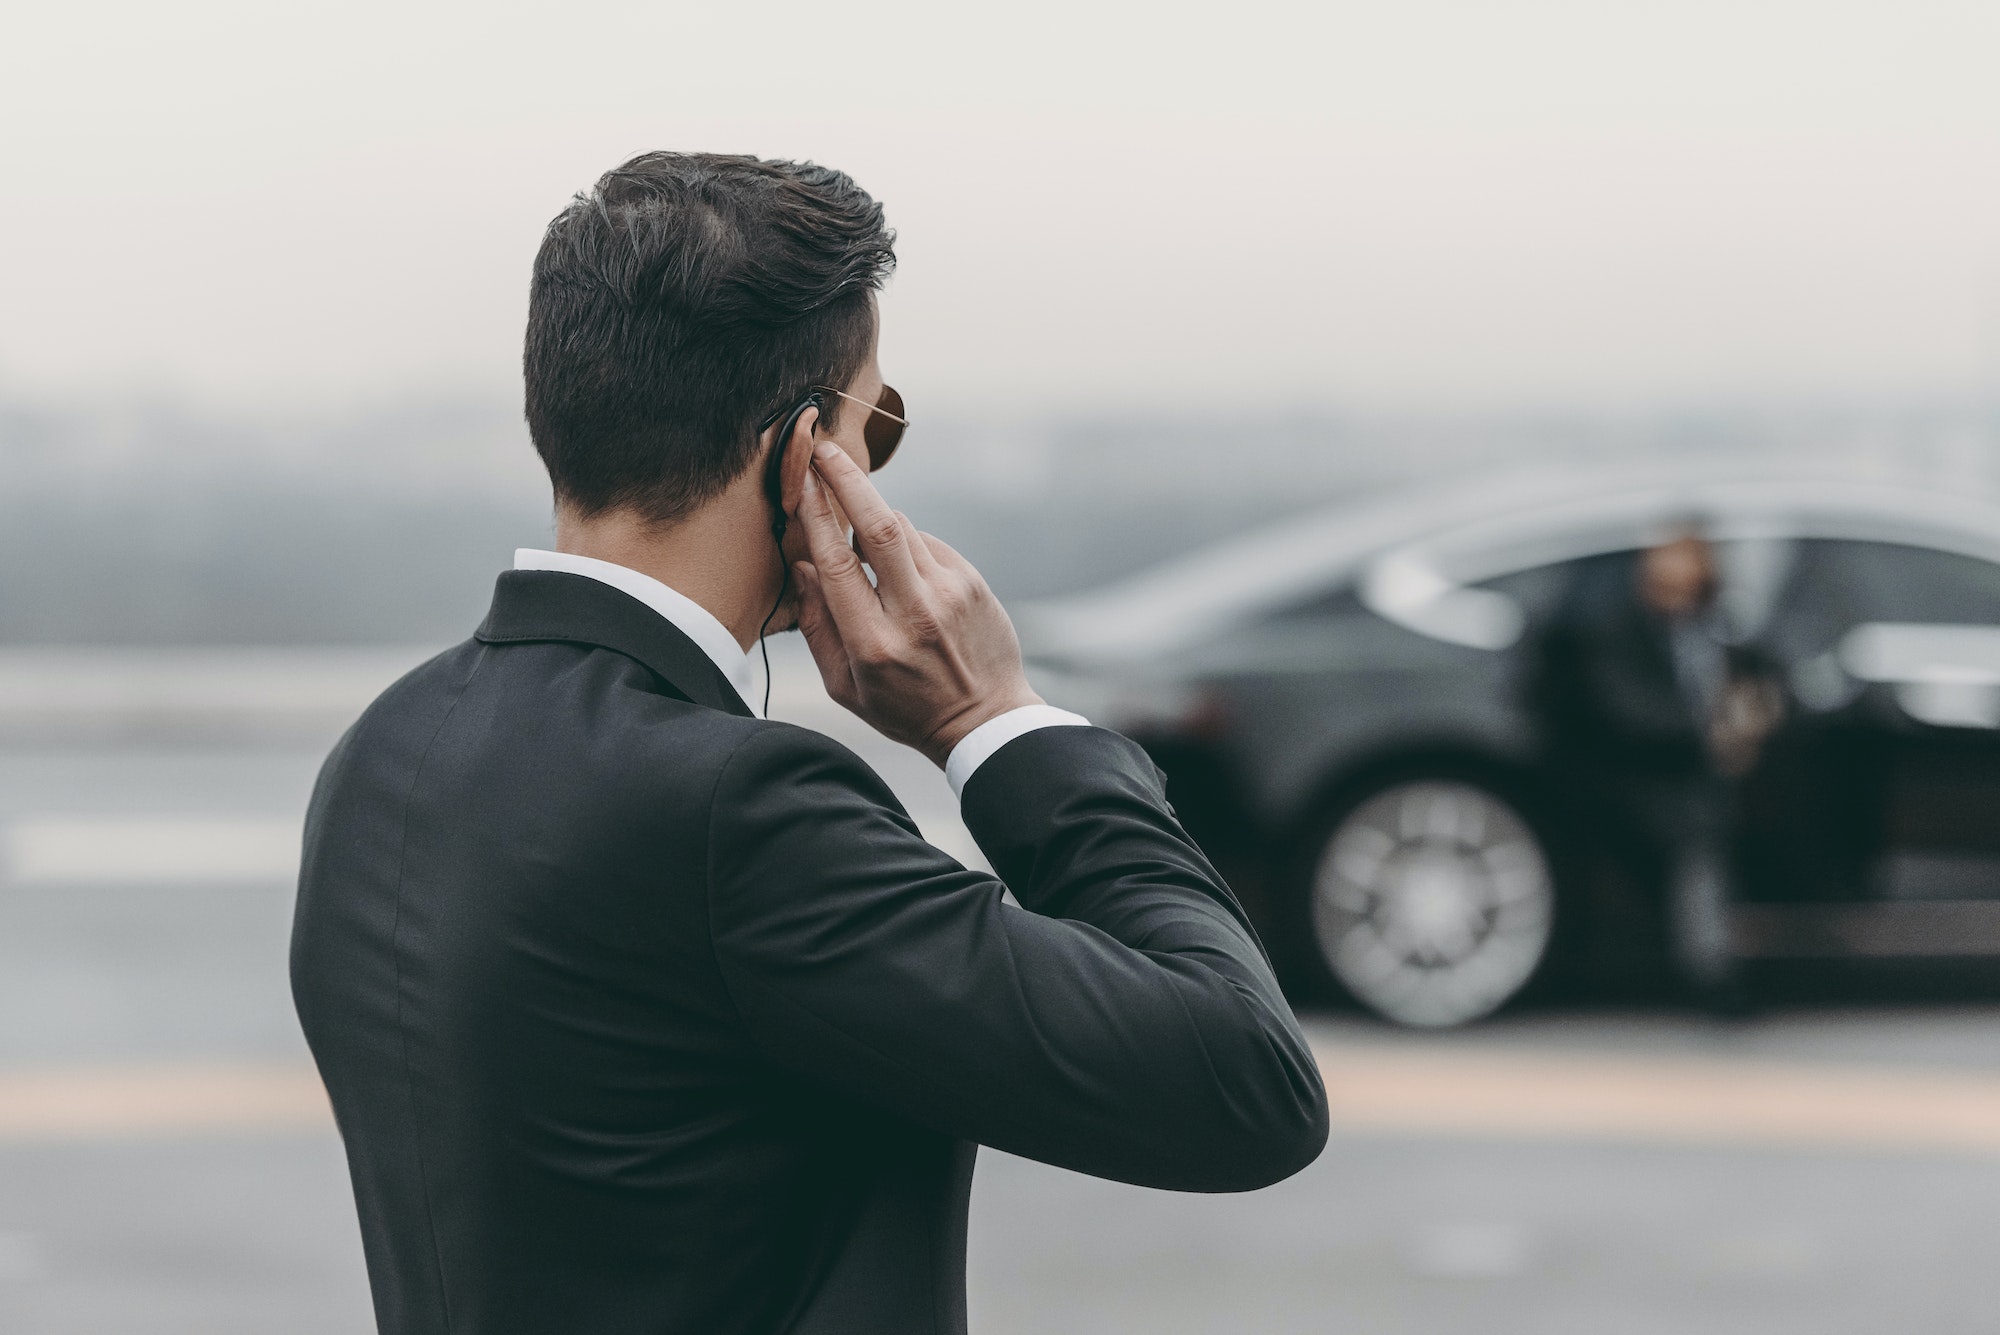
[[1123, 1023]]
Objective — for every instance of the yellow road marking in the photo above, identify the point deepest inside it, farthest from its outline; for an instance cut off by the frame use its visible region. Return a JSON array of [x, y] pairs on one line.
[[1457, 1091], [1423, 1091], [115, 1103]]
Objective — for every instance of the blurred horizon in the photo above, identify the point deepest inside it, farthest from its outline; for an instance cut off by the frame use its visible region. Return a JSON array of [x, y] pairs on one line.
[[149, 523]]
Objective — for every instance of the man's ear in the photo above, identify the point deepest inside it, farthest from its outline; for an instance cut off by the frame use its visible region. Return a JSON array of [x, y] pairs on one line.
[[798, 458]]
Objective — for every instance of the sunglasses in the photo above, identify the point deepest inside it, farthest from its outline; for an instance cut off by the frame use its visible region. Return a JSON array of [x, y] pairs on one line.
[[883, 431]]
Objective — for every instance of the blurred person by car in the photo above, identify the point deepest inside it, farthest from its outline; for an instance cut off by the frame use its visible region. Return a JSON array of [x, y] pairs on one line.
[[1345, 703], [1652, 710]]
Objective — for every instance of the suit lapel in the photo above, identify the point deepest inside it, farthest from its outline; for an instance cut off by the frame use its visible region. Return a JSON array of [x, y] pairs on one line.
[[531, 605]]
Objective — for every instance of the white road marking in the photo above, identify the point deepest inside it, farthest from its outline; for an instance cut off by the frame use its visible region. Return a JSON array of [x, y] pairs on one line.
[[39, 680], [149, 850]]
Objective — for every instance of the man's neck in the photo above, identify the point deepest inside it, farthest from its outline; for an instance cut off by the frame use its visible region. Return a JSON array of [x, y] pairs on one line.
[[722, 556]]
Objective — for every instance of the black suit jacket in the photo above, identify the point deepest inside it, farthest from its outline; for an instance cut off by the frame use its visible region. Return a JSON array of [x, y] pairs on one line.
[[639, 1013], [1605, 687]]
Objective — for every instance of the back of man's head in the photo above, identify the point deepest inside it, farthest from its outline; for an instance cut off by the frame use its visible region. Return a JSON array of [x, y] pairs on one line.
[[680, 302]]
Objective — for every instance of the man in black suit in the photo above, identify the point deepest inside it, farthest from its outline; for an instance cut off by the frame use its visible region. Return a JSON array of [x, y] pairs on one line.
[[1651, 704], [642, 1013]]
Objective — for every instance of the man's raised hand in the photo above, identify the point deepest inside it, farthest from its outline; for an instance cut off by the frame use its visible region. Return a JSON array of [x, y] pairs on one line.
[[926, 653]]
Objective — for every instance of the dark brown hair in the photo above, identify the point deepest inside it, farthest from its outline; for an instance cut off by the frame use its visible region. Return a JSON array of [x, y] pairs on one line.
[[680, 302]]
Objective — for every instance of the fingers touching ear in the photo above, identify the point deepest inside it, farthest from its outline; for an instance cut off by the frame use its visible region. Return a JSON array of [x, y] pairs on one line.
[[822, 635], [837, 572]]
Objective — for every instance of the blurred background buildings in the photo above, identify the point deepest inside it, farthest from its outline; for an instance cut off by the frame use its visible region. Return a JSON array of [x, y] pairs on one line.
[[144, 523]]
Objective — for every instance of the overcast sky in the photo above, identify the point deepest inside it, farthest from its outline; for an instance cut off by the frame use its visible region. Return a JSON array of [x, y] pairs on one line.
[[1398, 203]]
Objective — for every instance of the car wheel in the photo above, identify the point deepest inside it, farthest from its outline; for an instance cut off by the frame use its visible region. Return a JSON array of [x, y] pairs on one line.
[[1432, 902]]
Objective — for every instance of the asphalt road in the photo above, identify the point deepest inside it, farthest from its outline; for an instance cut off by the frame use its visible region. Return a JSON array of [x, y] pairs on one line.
[[166, 1166]]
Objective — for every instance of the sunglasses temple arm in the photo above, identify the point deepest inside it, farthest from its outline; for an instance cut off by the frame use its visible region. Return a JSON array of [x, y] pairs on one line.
[[875, 408]]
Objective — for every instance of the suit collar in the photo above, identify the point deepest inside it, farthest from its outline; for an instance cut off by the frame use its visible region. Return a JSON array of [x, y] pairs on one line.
[[544, 605], [689, 617]]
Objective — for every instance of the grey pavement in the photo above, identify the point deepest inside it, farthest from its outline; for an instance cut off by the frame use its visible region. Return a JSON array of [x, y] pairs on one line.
[[1401, 1237]]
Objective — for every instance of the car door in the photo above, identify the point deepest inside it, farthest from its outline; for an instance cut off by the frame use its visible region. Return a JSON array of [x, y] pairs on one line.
[[1875, 804]]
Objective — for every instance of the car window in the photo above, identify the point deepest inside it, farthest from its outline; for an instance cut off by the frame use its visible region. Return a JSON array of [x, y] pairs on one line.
[[1837, 585], [1537, 590], [1896, 583], [1338, 602], [1884, 581], [1753, 573]]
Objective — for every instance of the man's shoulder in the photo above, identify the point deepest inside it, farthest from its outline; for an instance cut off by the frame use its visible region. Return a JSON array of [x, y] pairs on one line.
[[675, 756], [413, 703], [598, 701]]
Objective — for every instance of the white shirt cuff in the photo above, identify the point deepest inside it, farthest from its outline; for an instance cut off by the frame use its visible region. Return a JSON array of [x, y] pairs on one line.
[[977, 747]]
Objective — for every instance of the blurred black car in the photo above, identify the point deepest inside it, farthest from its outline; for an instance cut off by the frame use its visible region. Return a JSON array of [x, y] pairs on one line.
[[1340, 707]]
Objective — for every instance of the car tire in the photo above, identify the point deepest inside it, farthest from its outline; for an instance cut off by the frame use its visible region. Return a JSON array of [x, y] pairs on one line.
[[1431, 901]]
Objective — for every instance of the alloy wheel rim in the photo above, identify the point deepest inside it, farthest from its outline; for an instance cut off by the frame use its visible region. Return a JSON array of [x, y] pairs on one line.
[[1432, 902]]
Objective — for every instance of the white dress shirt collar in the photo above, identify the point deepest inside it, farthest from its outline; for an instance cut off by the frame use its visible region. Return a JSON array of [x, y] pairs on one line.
[[689, 617], [713, 638]]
